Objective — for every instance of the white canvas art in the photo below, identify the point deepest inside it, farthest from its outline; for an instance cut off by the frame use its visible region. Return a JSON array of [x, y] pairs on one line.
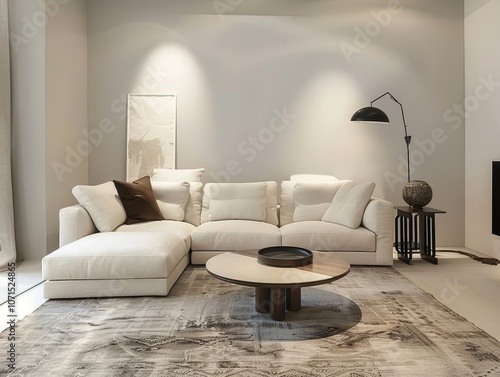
[[151, 134]]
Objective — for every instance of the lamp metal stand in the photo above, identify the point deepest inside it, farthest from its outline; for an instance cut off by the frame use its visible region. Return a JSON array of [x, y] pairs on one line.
[[406, 137]]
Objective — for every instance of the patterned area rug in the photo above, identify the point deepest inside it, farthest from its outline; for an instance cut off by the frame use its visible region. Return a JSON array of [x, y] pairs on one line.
[[373, 322]]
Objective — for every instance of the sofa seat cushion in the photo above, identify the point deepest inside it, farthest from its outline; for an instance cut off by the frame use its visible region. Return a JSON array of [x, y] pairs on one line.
[[179, 228], [234, 235], [137, 255], [322, 236]]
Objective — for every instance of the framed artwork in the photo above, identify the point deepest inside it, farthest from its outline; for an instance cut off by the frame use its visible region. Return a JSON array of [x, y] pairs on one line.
[[151, 133]]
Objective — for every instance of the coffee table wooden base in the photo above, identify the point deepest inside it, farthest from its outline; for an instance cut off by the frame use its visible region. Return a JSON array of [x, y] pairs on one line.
[[263, 300], [276, 300]]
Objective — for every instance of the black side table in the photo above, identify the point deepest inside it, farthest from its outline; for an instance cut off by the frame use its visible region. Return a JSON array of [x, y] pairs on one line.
[[409, 237]]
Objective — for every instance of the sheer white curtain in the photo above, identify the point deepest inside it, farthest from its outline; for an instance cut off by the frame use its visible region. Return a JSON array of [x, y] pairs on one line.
[[7, 238]]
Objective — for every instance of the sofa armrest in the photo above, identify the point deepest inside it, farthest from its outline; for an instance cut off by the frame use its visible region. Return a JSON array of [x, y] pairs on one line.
[[74, 223], [378, 217]]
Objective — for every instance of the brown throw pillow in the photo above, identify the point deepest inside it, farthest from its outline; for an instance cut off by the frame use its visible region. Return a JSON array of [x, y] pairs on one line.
[[138, 200]]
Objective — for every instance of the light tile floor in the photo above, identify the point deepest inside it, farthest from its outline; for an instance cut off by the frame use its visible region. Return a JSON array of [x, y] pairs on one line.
[[469, 288], [29, 294]]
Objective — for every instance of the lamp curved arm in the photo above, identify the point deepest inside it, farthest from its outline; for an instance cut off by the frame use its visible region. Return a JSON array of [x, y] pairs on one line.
[[406, 137]]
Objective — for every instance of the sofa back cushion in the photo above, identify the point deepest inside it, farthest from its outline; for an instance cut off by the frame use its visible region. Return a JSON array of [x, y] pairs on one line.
[[271, 200], [172, 198], [177, 175], [193, 206], [313, 199], [192, 213], [287, 205], [238, 201]]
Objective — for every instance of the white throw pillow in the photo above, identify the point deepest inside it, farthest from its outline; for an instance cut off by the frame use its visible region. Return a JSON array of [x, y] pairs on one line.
[[103, 205], [349, 204], [238, 201], [172, 198], [313, 178], [177, 175], [313, 199], [193, 207]]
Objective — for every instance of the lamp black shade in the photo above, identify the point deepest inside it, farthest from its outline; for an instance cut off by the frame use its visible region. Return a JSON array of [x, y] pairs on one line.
[[370, 114]]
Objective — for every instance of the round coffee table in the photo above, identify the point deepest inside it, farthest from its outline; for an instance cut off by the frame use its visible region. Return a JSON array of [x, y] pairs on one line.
[[276, 288]]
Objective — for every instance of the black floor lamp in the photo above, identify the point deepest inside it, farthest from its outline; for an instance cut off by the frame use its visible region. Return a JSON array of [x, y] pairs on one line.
[[416, 193]]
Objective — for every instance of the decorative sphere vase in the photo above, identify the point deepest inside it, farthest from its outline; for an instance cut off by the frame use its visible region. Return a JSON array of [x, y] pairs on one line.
[[417, 193]]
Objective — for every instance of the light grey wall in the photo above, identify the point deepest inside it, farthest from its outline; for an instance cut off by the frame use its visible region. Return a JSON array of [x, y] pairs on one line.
[[49, 75], [28, 128], [482, 99], [66, 143], [233, 69]]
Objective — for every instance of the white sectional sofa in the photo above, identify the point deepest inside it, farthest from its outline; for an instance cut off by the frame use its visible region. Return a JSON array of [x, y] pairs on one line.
[[101, 255]]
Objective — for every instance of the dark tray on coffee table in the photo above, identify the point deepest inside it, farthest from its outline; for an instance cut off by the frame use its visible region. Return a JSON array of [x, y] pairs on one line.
[[285, 256]]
